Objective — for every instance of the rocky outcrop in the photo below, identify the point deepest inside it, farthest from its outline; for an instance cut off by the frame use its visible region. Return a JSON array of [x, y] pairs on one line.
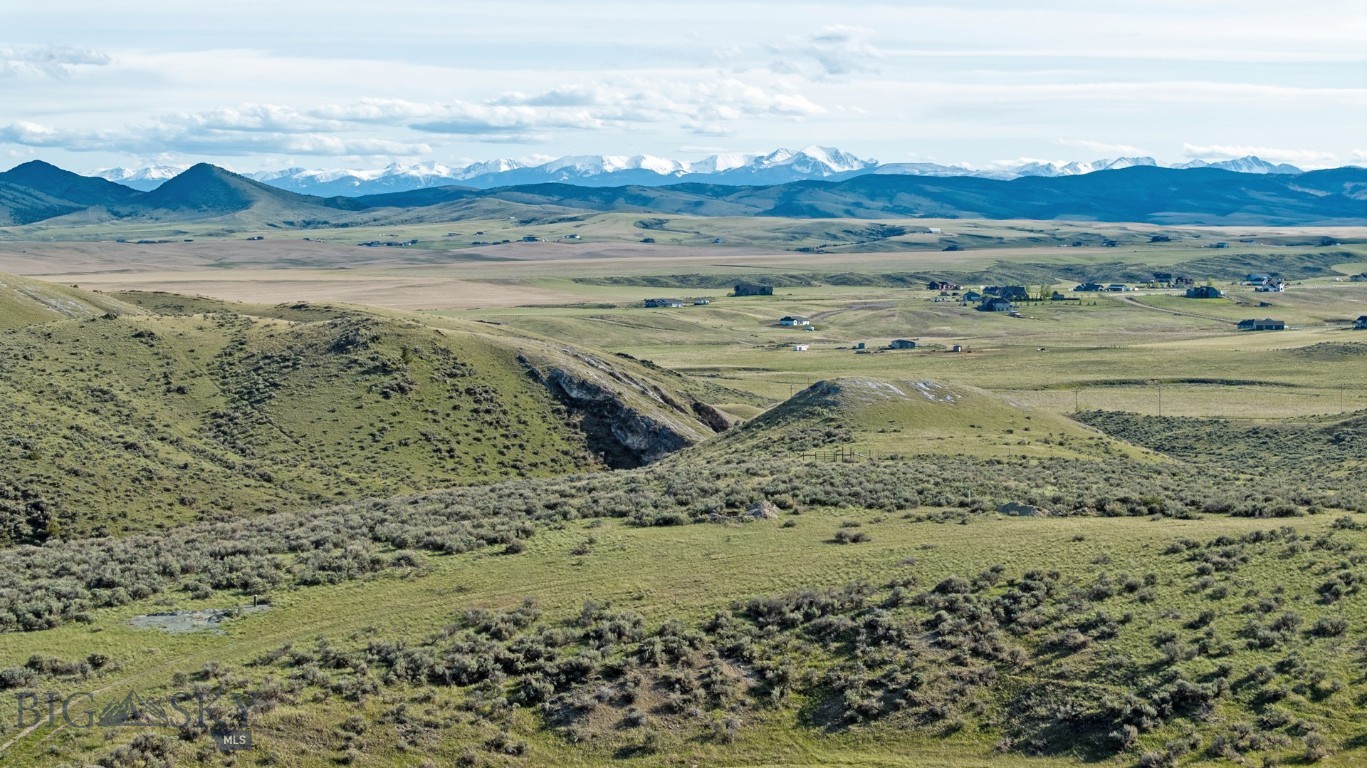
[[627, 421]]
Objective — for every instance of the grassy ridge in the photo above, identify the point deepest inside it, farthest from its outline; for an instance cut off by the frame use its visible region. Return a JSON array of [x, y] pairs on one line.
[[150, 420]]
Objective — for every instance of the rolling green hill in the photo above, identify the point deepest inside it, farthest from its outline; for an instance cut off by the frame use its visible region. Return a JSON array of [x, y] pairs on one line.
[[137, 421], [907, 418], [24, 301]]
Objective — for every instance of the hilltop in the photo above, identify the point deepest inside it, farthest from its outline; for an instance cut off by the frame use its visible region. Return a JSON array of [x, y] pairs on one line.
[[24, 301], [901, 419], [156, 416]]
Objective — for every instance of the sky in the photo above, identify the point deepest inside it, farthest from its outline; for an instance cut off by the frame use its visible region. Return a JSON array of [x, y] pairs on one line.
[[256, 85]]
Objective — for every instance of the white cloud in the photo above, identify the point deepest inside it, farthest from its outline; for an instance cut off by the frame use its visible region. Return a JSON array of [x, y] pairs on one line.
[[49, 61], [207, 134], [1102, 147], [835, 51]]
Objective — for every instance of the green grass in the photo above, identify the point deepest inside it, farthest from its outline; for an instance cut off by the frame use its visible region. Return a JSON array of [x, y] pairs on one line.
[[686, 574], [145, 421]]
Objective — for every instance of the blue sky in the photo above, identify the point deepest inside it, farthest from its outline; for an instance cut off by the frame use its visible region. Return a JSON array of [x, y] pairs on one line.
[[256, 85]]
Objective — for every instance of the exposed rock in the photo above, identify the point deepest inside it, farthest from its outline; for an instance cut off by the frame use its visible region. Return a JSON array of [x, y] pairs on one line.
[[762, 510], [624, 435], [1021, 509]]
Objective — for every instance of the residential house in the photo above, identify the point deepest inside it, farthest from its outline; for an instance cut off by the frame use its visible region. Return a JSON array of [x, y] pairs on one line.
[[792, 321], [1162, 278], [941, 285], [801, 347], [754, 289], [995, 304], [1361, 324], [664, 302], [701, 302], [1204, 292], [902, 344], [1118, 288], [1271, 286], [1089, 287], [1008, 292], [1266, 324], [1359, 278], [972, 297]]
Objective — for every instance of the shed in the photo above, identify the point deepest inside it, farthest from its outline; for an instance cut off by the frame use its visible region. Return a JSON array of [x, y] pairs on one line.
[[801, 347]]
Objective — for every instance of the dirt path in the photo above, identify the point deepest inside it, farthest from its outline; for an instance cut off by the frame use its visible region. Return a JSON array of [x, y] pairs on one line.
[[1130, 300]]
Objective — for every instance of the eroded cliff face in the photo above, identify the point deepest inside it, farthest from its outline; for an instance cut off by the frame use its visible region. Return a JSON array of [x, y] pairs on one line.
[[629, 420]]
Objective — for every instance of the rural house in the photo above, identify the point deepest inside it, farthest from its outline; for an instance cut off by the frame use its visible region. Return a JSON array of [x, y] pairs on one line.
[[801, 347], [902, 344], [1204, 292], [701, 302], [792, 321], [664, 302], [1361, 323], [754, 289], [1271, 286], [1008, 292], [1088, 287], [941, 285], [995, 304], [972, 296], [1361, 277], [1266, 324]]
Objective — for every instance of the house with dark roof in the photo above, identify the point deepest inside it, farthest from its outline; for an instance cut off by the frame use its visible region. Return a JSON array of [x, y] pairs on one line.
[[972, 297], [792, 321], [902, 344], [1008, 292], [1361, 324], [664, 302], [1266, 324], [1204, 292], [995, 304], [1089, 287]]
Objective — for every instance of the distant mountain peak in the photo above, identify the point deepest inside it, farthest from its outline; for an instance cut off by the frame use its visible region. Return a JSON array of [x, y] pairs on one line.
[[811, 162]]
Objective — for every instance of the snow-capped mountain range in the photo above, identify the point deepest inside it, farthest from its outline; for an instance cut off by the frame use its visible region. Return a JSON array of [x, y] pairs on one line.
[[777, 167]]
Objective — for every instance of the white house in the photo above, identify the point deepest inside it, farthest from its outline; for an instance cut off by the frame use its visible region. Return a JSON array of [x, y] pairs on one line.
[[792, 321], [801, 347]]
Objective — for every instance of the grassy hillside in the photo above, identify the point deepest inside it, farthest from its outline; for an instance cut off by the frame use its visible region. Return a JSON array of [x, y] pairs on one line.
[[24, 301], [872, 417], [860, 626], [147, 420]]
